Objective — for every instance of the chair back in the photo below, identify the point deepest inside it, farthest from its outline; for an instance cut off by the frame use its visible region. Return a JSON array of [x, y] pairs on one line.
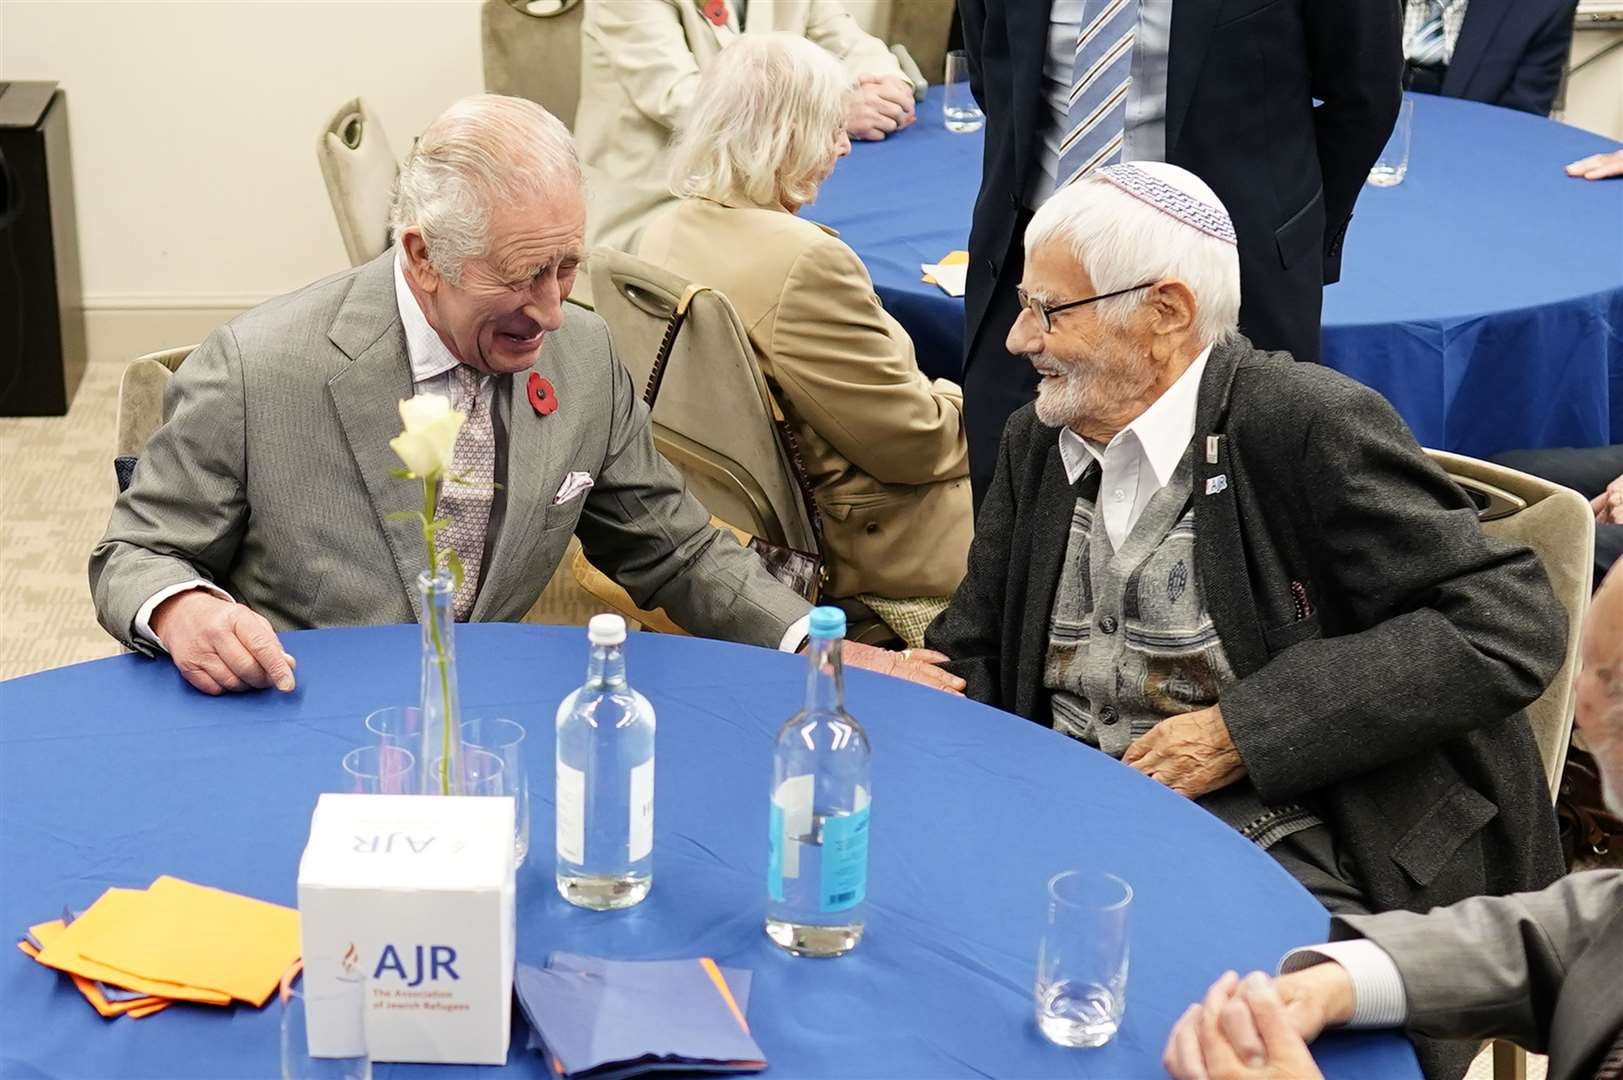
[[140, 406], [531, 50], [1558, 524], [360, 172], [714, 416]]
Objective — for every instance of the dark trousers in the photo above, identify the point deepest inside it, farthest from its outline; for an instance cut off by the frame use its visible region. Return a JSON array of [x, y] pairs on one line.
[[1586, 470]]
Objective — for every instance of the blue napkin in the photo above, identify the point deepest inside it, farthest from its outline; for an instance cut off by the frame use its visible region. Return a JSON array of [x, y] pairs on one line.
[[609, 1019]]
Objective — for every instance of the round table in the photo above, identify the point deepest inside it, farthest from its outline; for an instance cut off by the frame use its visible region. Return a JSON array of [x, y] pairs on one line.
[[114, 772], [1483, 295]]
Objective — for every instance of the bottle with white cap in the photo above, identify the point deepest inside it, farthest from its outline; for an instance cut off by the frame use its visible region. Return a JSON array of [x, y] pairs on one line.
[[605, 771], [817, 864]]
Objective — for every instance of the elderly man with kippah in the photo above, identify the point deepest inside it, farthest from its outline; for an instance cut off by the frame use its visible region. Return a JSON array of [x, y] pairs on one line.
[[1243, 578]]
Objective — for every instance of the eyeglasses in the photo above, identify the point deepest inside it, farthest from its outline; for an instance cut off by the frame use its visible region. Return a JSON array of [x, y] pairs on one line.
[[1045, 312]]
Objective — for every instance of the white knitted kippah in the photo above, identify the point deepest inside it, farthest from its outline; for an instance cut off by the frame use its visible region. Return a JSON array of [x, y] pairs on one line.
[[1175, 192]]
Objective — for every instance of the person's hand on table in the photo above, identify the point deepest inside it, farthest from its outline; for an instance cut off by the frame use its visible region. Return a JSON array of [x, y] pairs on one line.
[[1608, 505], [218, 645], [881, 105], [1598, 166], [1191, 753], [914, 665], [1258, 1028]]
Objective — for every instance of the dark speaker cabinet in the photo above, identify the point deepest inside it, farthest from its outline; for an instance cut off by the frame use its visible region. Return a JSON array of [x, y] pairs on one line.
[[42, 325]]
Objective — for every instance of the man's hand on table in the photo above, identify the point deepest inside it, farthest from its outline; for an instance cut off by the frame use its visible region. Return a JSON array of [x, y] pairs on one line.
[[914, 665], [881, 105], [1598, 166], [1608, 505], [1258, 1028], [1192, 753], [218, 645]]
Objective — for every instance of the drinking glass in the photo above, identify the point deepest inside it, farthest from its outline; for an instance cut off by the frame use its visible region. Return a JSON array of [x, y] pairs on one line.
[[401, 725], [505, 739], [380, 770], [958, 108], [481, 772], [1082, 962], [1393, 164], [338, 1011]]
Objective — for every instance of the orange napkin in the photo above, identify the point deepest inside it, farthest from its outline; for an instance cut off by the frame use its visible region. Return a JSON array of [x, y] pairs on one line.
[[139, 1007], [952, 258], [110, 916], [180, 933]]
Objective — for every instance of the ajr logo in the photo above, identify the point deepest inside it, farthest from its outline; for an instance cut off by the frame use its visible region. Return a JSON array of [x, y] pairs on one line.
[[381, 844], [440, 959]]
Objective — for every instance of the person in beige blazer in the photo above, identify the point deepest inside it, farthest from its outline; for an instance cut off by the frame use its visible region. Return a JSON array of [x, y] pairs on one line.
[[883, 445], [265, 500], [639, 69]]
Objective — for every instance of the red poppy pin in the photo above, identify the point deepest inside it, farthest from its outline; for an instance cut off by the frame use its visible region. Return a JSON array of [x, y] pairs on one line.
[[543, 398], [716, 12]]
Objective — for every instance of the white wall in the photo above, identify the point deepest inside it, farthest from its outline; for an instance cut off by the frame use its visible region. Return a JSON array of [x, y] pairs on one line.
[[193, 128]]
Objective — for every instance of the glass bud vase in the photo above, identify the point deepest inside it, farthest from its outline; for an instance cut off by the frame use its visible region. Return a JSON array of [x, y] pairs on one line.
[[441, 756]]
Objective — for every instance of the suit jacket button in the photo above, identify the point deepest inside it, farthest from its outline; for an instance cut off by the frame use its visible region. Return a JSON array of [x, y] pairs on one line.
[[871, 528], [1107, 714], [1108, 624], [1014, 200], [991, 266]]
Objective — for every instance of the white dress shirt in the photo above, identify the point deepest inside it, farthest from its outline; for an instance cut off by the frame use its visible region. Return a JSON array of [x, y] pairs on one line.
[[1146, 131], [1142, 457], [431, 366], [1378, 997]]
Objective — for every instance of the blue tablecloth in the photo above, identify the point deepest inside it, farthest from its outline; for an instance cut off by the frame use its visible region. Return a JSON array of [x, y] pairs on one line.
[[1483, 295], [113, 772]]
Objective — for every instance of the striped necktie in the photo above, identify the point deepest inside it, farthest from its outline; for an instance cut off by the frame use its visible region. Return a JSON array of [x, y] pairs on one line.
[[1097, 121], [1430, 42]]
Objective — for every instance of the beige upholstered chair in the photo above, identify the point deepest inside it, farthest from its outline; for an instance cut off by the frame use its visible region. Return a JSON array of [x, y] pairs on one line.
[[921, 27], [360, 172], [1557, 523], [532, 50]]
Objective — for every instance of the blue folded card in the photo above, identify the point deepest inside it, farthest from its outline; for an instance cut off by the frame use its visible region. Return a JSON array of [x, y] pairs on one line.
[[607, 1019]]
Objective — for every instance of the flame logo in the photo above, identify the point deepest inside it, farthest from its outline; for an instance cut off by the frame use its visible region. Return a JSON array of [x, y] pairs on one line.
[[351, 959]]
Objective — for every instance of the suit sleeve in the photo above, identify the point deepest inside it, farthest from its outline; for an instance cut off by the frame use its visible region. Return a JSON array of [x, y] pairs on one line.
[[644, 42], [1493, 967], [1451, 629], [848, 370], [830, 25], [642, 527], [1355, 56], [184, 513], [1538, 75], [970, 630], [972, 16]]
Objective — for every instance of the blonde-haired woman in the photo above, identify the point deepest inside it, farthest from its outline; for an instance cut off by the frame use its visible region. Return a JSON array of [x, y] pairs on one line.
[[883, 445]]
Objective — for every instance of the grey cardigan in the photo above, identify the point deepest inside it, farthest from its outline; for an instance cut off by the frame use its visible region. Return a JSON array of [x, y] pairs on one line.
[[1383, 646]]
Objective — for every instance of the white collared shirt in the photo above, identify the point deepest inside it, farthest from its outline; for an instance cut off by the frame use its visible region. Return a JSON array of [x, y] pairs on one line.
[[1142, 457]]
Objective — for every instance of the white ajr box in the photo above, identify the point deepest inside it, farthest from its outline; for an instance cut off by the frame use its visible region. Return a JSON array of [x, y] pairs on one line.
[[413, 893]]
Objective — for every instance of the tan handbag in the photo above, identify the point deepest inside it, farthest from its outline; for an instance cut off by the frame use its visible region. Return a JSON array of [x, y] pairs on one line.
[[802, 571]]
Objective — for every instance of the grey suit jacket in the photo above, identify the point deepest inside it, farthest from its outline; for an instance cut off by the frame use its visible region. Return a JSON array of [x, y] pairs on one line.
[[271, 476], [1544, 969]]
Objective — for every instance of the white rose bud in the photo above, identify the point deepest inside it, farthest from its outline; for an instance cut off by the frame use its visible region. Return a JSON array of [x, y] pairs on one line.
[[428, 443]]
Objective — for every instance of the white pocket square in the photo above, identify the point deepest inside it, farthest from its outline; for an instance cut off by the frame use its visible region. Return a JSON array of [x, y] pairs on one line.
[[574, 485]]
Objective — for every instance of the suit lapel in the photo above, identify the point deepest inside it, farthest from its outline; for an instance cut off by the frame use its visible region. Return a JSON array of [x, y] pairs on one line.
[[1589, 1011], [1481, 24], [1225, 584], [366, 395], [1192, 22]]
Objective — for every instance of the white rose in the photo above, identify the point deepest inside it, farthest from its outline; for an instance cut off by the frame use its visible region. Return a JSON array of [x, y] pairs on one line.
[[428, 442]]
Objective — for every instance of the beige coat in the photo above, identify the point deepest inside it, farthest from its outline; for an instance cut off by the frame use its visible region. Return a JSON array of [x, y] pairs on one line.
[[639, 69], [883, 445]]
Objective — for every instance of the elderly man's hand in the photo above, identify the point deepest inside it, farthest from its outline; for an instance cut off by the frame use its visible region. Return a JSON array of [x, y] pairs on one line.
[[1608, 505], [218, 645], [881, 104], [1598, 166], [1192, 753], [914, 665], [1249, 1030]]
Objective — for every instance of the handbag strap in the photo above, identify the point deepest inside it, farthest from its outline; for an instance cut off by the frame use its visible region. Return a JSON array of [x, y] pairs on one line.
[[791, 444]]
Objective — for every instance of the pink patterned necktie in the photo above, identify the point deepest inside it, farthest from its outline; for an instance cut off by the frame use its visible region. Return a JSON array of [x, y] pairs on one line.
[[468, 505]]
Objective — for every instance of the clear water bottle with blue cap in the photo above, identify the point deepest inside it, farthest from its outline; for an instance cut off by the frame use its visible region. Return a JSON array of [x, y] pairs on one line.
[[605, 778], [817, 865]]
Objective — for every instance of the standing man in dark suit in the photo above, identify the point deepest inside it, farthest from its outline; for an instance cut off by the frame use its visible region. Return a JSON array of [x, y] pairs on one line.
[[1503, 52], [1224, 88]]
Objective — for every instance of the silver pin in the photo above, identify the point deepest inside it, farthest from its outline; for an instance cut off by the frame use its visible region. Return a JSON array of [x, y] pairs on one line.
[[1211, 449]]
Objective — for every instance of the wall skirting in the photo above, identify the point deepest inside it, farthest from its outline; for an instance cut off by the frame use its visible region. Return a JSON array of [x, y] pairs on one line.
[[122, 326]]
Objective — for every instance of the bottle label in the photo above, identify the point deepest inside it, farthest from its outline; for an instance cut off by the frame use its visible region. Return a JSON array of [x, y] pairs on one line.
[[845, 860], [642, 810], [774, 857], [572, 814]]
